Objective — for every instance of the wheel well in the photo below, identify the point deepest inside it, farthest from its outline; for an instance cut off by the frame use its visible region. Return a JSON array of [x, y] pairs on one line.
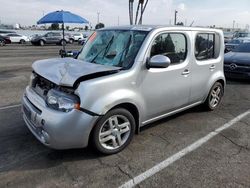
[[128, 106], [133, 110], [222, 83]]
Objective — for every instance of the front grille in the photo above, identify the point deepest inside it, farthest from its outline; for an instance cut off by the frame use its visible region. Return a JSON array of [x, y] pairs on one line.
[[41, 85]]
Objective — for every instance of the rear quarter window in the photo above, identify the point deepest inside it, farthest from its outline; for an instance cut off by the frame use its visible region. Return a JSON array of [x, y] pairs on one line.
[[207, 46]]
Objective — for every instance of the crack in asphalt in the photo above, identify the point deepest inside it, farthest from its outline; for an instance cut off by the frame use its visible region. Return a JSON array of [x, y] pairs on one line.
[[75, 181], [125, 172], [236, 144]]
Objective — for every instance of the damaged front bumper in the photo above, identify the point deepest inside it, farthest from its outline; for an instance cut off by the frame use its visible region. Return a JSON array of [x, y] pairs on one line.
[[55, 129]]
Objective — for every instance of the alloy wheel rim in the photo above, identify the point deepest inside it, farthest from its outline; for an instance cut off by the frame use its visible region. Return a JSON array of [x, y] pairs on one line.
[[114, 132], [215, 97]]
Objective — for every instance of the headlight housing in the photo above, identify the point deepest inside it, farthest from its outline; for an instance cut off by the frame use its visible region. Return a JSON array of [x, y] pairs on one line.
[[62, 101]]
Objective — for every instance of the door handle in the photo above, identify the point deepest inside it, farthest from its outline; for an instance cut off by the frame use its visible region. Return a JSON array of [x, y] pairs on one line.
[[185, 72], [212, 67]]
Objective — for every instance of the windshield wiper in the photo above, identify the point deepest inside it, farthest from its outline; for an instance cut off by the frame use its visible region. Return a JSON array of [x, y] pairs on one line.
[[106, 47]]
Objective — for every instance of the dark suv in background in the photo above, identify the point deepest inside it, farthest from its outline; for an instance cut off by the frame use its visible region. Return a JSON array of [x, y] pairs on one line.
[[50, 38]]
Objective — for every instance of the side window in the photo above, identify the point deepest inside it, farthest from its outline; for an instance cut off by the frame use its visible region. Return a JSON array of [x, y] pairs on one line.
[[172, 45], [204, 46]]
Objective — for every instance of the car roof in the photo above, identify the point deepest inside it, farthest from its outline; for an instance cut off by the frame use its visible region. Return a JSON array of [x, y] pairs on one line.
[[154, 27]]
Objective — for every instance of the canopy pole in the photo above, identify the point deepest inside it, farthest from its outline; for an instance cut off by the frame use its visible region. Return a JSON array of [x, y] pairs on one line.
[[63, 37]]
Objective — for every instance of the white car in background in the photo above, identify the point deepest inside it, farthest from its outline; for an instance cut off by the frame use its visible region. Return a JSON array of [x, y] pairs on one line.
[[16, 38], [78, 36]]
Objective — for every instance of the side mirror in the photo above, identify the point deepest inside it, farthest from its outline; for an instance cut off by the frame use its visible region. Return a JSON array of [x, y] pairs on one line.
[[158, 61]]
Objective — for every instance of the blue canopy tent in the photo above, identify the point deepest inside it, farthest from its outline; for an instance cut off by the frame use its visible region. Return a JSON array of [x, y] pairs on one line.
[[62, 17]]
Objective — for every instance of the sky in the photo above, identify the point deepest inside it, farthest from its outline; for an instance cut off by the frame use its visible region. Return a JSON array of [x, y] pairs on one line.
[[202, 12]]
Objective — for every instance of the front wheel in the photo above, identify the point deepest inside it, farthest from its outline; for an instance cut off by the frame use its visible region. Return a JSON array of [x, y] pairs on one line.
[[71, 41], [114, 131], [41, 42], [214, 97]]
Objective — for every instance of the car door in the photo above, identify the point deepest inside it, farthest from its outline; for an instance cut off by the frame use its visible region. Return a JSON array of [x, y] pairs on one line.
[[167, 89], [13, 38], [56, 37], [206, 63], [49, 38]]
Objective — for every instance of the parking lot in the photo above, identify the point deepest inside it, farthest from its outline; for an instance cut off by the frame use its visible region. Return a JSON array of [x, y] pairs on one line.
[[222, 161]]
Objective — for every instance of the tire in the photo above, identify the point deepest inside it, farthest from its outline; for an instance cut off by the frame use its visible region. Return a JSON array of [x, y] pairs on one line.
[[41, 43], [2, 43], [71, 41], [119, 126], [214, 97], [63, 42], [22, 41]]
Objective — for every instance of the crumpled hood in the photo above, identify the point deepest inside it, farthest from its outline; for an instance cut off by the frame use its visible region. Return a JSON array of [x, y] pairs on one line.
[[65, 71]]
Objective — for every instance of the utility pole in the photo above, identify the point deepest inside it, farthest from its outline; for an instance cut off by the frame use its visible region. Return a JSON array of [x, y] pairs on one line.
[[98, 17], [118, 21], [131, 10], [233, 24], [175, 17]]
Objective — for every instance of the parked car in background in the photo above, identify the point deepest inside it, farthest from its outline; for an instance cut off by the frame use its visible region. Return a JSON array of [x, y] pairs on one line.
[[123, 79], [50, 38], [4, 40], [234, 43], [228, 36], [83, 40], [237, 62], [16, 38], [241, 35], [78, 36], [70, 37]]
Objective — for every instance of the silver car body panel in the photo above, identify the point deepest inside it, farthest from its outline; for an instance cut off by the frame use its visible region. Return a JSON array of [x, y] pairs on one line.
[[156, 93]]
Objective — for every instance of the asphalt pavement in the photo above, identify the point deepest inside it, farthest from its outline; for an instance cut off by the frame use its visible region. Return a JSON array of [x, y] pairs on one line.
[[222, 161]]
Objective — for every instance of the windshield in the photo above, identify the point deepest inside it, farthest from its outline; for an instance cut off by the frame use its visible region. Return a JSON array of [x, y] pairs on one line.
[[113, 47], [245, 48]]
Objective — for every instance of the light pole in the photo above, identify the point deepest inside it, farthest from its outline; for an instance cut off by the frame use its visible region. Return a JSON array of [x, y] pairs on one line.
[[98, 17], [233, 24], [175, 17]]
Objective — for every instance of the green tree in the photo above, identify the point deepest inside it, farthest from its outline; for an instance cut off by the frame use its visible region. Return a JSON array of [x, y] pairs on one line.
[[54, 26], [99, 26]]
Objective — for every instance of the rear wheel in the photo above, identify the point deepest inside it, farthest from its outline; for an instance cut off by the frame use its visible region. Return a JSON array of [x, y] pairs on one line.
[[63, 42], [114, 131], [22, 41], [214, 98], [41, 42], [2, 43]]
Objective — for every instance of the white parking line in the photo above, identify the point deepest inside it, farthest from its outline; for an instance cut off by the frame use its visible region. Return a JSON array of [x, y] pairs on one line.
[[150, 172], [8, 107]]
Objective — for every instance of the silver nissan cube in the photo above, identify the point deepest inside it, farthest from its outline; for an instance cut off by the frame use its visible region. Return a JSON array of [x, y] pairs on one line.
[[122, 79]]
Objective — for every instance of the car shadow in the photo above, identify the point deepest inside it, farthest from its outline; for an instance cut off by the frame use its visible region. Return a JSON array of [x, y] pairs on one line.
[[234, 81], [196, 109]]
